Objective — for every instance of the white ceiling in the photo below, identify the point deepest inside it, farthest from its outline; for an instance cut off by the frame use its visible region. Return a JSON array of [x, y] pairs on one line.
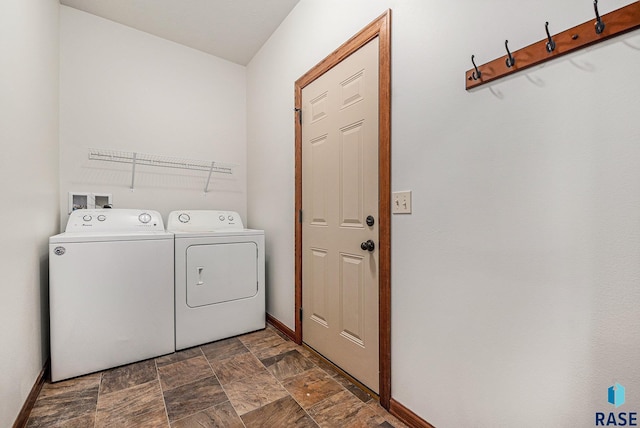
[[230, 29]]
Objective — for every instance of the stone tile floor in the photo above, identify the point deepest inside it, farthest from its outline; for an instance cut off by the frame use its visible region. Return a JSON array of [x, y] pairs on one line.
[[260, 379]]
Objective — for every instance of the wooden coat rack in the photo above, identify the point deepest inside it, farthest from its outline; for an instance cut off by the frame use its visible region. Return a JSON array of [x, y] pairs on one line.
[[586, 34]]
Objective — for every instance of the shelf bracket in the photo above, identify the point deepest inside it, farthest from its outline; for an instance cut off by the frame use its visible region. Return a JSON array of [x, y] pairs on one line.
[[206, 186], [133, 172]]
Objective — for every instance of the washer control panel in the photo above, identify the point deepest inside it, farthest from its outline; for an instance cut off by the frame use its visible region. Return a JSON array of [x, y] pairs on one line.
[[203, 221], [114, 220]]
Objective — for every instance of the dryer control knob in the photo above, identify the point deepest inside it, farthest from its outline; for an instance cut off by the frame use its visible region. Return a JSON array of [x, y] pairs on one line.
[[144, 218], [221, 218], [87, 218], [184, 218], [230, 218], [101, 218]]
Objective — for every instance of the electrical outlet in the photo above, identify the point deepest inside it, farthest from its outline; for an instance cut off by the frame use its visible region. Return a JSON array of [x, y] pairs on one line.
[[401, 202]]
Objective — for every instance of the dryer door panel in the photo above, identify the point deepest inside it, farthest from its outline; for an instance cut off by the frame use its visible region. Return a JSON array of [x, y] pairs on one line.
[[219, 273]]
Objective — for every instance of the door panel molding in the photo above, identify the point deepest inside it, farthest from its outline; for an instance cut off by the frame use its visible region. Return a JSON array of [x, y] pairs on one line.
[[381, 28]]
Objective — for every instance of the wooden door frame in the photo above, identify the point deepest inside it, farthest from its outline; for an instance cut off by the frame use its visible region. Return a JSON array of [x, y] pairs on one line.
[[381, 28]]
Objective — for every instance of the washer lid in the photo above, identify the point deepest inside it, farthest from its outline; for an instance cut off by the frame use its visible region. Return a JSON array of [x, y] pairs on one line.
[[204, 221], [69, 237]]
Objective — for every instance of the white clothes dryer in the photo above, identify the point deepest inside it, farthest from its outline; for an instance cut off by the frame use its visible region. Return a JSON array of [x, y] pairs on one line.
[[110, 291], [219, 276]]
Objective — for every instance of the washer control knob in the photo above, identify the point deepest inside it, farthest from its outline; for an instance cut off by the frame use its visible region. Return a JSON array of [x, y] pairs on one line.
[[184, 218], [87, 217], [221, 218], [101, 218], [144, 218], [230, 218]]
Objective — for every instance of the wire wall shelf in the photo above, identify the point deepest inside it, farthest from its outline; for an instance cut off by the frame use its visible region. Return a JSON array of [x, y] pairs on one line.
[[141, 159]]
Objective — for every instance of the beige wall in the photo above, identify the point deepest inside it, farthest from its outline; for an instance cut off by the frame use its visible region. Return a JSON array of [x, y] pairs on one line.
[[515, 281], [123, 89], [28, 191]]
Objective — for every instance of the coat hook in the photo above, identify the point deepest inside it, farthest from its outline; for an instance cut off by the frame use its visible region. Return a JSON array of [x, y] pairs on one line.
[[599, 23], [551, 45], [476, 74], [511, 61]]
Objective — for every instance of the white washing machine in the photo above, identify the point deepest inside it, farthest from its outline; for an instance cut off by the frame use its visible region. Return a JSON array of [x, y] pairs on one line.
[[110, 291], [219, 276]]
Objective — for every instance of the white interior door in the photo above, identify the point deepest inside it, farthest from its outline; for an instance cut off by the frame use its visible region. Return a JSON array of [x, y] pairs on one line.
[[339, 192]]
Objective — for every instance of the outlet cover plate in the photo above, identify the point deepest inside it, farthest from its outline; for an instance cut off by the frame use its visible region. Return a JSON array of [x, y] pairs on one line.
[[401, 203]]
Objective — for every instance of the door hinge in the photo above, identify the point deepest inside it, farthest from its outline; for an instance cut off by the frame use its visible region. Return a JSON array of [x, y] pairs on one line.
[[301, 313], [299, 216], [299, 111]]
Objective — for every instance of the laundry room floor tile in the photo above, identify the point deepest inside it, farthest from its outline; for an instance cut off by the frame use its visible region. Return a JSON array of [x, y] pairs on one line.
[[289, 364], [85, 421], [224, 349], [281, 413], [183, 372], [346, 383], [345, 410], [78, 385], [328, 368], [236, 367], [193, 397], [128, 376], [63, 406], [270, 346], [311, 387], [257, 336], [178, 356], [253, 392], [222, 415], [260, 379], [132, 406]]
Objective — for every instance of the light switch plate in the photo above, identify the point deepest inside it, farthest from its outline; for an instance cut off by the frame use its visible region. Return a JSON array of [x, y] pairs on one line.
[[401, 202]]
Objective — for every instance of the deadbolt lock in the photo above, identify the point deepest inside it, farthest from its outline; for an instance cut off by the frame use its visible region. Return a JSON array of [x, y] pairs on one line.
[[370, 220]]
